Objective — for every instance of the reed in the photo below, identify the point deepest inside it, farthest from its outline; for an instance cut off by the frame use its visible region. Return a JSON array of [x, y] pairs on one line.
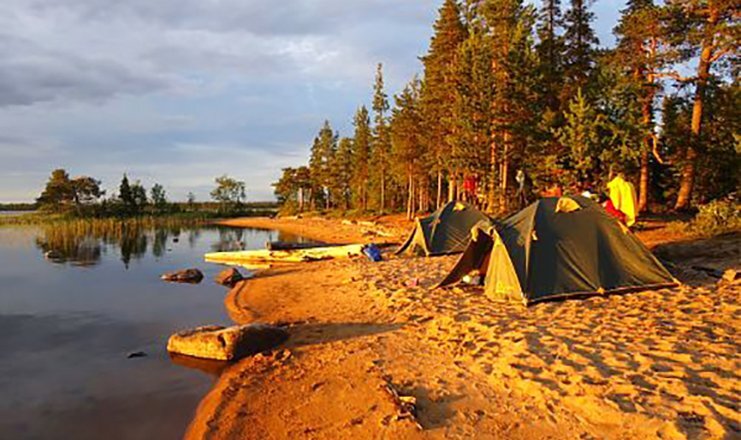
[[108, 223]]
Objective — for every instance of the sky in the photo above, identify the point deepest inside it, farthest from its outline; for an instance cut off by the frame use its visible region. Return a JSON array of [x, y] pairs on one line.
[[181, 91]]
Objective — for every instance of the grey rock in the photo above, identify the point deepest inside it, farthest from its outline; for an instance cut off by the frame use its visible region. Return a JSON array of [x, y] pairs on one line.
[[184, 276]]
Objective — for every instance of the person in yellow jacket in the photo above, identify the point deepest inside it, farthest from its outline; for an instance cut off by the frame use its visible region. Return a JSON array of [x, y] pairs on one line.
[[623, 196]]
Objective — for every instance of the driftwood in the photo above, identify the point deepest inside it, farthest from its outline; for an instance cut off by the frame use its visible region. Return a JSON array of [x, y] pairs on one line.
[[406, 406]]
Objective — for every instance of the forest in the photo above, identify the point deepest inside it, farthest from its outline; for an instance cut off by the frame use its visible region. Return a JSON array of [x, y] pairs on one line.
[[516, 101]]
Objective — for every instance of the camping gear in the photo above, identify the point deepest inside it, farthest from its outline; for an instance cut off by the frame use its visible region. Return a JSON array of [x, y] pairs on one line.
[[372, 252], [557, 248], [445, 231], [287, 256], [610, 209], [289, 246], [623, 196]]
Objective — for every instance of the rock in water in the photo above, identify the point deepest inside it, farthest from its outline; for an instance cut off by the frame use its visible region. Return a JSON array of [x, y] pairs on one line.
[[53, 255], [226, 343], [136, 354], [229, 277], [184, 276]]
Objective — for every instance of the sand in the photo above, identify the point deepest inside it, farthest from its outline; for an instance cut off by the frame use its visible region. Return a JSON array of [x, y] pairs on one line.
[[386, 229], [655, 364]]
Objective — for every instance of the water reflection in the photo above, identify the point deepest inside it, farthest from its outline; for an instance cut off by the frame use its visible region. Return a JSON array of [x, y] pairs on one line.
[[66, 332], [84, 243]]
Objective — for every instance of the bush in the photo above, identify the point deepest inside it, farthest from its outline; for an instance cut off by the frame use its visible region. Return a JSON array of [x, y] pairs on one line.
[[717, 217]]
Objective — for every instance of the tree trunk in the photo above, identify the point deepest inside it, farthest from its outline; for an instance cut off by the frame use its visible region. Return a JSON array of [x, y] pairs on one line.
[[383, 190], [643, 182], [648, 144], [648, 76], [439, 188], [451, 187], [410, 193], [490, 202], [420, 190], [687, 181], [505, 173]]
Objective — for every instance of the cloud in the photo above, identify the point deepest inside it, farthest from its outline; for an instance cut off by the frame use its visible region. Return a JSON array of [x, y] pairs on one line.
[[101, 87], [94, 50], [29, 74]]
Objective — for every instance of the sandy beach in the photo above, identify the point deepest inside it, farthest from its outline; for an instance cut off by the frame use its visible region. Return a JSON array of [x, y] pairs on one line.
[[654, 364]]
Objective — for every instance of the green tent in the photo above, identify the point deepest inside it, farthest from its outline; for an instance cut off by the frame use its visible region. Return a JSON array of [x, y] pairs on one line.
[[445, 231], [556, 248]]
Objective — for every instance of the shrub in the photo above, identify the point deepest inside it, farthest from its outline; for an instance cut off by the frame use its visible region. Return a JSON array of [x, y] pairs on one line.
[[717, 217]]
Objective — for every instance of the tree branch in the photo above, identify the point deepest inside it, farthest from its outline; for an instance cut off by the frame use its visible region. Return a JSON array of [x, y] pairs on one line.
[[655, 149], [675, 76], [719, 54]]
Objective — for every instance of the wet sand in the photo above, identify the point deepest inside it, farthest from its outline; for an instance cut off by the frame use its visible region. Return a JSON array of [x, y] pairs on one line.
[[655, 364]]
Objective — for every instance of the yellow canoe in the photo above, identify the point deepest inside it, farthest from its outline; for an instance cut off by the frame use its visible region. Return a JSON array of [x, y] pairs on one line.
[[285, 256]]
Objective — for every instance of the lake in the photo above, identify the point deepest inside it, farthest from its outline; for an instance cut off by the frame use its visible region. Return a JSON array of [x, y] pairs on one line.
[[68, 324]]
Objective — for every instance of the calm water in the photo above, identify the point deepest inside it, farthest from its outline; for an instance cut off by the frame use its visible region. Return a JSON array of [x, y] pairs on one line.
[[67, 326]]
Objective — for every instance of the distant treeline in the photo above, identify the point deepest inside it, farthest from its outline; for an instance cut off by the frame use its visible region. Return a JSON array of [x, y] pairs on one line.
[[516, 101], [82, 196], [18, 206]]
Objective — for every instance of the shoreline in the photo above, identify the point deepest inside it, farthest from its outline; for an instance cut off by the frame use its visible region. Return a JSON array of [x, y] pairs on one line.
[[388, 229], [656, 363]]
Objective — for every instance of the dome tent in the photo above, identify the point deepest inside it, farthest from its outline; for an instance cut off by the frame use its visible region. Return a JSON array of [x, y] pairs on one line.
[[445, 231], [557, 248]]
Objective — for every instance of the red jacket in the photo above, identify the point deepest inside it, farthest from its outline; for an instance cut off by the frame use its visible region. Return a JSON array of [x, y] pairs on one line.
[[613, 211]]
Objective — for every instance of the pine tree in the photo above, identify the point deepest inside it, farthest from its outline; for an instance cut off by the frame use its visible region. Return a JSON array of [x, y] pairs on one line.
[[406, 138], [57, 193], [717, 167], [362, 139], [708, 28], [381, 146], [473, 110], [551, 51], [342, 172], [510, 26], [580, 40], [125, 195], [304, 184], [322, 156], [581, 137], [438, 94], [638, 58]]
